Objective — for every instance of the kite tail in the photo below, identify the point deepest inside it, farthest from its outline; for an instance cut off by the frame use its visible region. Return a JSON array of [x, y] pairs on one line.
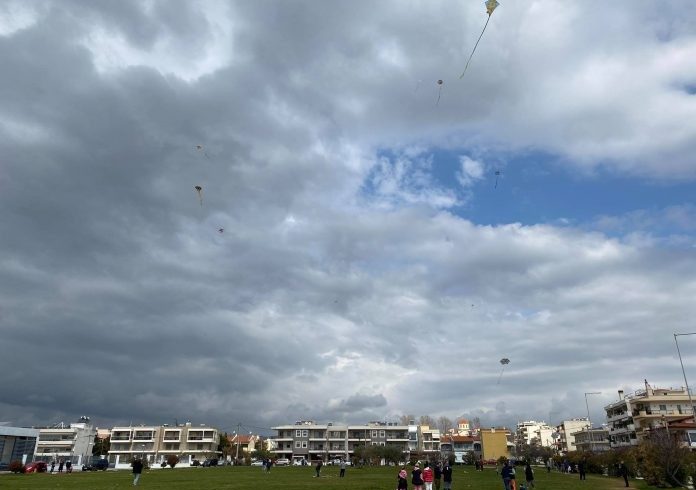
[[474, 50], [501, 375], [439, 93]]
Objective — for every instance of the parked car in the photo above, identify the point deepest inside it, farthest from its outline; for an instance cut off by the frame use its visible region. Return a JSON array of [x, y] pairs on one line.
[[210, 462], [258, 462], [300, 462], [282, 462], [36, 467], [100, 464]]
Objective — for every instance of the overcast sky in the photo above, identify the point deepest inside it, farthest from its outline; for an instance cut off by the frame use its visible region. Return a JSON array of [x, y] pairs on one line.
[[360, 250]]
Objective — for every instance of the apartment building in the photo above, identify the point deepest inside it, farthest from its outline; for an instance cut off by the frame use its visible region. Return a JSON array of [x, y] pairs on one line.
[[495, 442], [565, 440], [631, 417], [429, 440], [307, 440], [17, 444], [458, 447], [155, 443], [68, 442], [531, 432], [592, 439]]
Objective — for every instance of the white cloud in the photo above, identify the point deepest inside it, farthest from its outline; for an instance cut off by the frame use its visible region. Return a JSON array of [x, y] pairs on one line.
[[470, 171]]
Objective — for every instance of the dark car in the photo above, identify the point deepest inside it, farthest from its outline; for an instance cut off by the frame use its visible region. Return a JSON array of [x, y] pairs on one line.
[[210, 462], [36, 467], [100, 464]]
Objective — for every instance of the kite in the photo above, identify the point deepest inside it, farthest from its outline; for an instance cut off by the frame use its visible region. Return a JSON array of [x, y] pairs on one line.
[[439, 91], [504, 362], [497, 174], [200, 148], [199, 190], [490, 7], [221, 230]]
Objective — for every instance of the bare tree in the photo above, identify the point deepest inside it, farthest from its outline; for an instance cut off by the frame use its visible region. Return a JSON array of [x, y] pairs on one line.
[[426, 420], [444, 424], [406, 419]]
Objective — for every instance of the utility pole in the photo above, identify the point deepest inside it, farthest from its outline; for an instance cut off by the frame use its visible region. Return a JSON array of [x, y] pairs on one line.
[[588, 416], [688, 391], [236, 456]]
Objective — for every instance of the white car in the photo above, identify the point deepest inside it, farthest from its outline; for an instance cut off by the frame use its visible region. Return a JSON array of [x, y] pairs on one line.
[[257, 463], [282, 462]]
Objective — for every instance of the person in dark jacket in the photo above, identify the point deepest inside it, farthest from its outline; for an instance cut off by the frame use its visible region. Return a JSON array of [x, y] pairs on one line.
[[417, 478], [438, 475], [447, 475], [529, 475], [507, 474], [318, 468], [137, 470], [623, 472], [581, 470]]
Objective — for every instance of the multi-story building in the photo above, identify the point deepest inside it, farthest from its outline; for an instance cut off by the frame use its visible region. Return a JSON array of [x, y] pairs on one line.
[[495, 443], [565, 440], [17, 444], [633, 415], [458, 447], [531, 432], [156, 443], [429, 440], [242, 445], [307, 440], [594, 439], [68, 442]]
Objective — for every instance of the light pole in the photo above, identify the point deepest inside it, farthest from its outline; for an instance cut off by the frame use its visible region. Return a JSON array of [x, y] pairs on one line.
[[688, 391], [588, 416]]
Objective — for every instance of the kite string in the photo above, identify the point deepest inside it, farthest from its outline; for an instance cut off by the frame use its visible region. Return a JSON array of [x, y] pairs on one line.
[[475, 46], [501, 375]]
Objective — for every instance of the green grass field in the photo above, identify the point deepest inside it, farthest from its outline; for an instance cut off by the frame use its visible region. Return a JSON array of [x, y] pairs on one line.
[[294, 478]]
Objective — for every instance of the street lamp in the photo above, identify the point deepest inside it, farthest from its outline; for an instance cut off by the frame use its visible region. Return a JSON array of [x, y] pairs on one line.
[[688, 391], [588, 416]]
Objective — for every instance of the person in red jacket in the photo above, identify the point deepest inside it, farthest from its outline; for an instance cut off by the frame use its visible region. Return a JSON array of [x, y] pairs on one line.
[[428, 477]]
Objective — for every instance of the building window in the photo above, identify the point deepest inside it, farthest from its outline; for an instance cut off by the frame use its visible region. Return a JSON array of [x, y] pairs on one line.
[[298, 444], [374, 433], [304, 444], [381, 433], [305, 433], [298, 433], [663, 408]]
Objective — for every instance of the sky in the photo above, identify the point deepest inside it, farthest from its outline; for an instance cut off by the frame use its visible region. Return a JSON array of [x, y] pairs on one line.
[[359, 249]]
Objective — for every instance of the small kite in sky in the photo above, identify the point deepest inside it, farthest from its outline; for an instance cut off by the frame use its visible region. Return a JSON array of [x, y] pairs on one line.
[[439, 91], [497, 174], [504, 362], [201, 149], [199, 190], [221, 230], [490, 7]]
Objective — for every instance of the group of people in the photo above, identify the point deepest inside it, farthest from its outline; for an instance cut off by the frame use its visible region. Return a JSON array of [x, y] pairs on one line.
[[67, 464], [509, 477], [425, 478]]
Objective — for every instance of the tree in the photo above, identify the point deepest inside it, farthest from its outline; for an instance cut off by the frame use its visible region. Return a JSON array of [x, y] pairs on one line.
[[224, 445], [16, 467], [426, 420], [262, 453], [406, 419], [392, 454], [172, 460], [662, 460], [101, 446], [444, 424]]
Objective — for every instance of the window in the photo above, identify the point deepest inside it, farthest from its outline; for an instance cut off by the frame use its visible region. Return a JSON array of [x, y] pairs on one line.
[[305, 433], [304, 444], [298, 444], [381, 433], [298, 433], [663, 408], [374, 433]]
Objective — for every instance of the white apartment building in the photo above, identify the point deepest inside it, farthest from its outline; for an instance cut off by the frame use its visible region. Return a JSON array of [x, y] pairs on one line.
[[592, 439], [307, 440], [68, 442], [634, 414], [429, 440], [154, 443], [531, 432], [565, 441]]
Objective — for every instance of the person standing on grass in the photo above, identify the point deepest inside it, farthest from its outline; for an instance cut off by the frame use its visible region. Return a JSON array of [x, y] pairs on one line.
[[581, 469], [529, 475], [447, 475], [438, 474], [417, 478], [137, 471], [428, 477], [402, 482], [318, 468], [343, 468], [623, 472], [507, 475], [548, 465]]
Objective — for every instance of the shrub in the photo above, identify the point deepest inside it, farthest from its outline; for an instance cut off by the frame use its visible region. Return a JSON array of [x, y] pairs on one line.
[[16, 467], [172, 460]]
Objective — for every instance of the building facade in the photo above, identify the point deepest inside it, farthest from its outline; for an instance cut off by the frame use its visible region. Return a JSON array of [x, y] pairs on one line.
[[533, 433], [458, 447], [17, 444], [67, 442], [155, 443], [565, 440], [495, 442], [592, 439], [309, 441]]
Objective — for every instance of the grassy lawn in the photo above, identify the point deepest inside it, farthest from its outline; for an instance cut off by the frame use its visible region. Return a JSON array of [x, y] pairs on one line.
[[294, 478]]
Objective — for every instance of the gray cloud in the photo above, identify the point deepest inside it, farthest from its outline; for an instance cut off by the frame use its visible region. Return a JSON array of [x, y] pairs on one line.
[[321, 299]]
